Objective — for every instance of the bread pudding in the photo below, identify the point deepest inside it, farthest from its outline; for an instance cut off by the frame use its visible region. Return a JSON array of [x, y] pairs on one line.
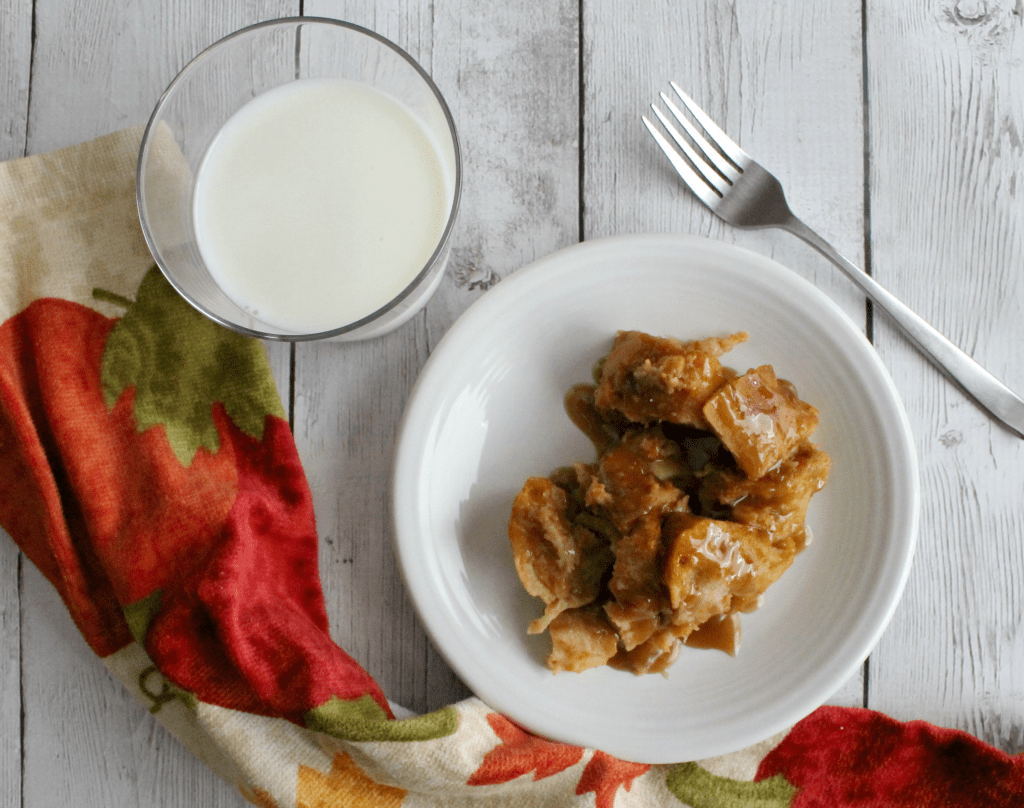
[[695, 505]]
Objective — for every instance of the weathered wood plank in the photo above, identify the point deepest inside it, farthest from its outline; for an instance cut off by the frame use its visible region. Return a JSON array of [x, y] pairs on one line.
[[15, 67], [947, 134], [87, 741], [509, 74], [10, 672], [782, 79]]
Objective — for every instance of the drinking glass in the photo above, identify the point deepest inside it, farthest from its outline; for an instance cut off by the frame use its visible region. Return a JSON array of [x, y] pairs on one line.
[[213, 87]]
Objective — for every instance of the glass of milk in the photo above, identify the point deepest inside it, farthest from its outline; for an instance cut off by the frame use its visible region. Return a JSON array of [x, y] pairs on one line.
[[299, 180]]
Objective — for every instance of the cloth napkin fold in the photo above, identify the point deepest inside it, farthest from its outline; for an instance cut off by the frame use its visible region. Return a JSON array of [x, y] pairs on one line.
[[147, 470]]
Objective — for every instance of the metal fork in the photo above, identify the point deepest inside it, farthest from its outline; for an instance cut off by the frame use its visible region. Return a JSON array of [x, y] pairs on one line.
[[741, 192]]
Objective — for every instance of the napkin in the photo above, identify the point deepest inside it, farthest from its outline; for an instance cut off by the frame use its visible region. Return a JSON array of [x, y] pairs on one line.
[[147, 470]]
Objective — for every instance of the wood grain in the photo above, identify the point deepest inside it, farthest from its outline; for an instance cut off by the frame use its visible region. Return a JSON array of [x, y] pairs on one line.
[[15, 68], [508, 72], [782, 83], [10, 671], [782, 79], [947, 184]]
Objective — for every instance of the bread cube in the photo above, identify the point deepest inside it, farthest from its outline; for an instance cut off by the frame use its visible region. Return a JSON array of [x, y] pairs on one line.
[[760, 419], [647, 378], [581, 639], [558, 561], [714, 567]]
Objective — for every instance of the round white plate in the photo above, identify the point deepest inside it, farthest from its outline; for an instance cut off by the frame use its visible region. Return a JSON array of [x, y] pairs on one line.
[[487, 413]]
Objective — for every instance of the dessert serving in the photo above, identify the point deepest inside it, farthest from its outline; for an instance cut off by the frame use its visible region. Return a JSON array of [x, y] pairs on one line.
[[695, 505]]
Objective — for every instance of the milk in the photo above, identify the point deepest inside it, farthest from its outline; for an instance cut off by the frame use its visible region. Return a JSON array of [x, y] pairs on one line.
[[318, 202]]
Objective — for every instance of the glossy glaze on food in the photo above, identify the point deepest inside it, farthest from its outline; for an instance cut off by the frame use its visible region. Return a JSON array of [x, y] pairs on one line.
[[695, 505]]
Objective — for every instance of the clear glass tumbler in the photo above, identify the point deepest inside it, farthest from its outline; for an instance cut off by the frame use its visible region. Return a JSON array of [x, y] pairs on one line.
[[213, 87]]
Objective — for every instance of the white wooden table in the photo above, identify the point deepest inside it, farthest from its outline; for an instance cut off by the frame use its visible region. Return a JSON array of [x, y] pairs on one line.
[[897, 128]]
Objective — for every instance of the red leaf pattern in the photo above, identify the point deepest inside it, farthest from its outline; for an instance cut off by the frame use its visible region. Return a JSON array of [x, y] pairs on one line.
[[856, 757]]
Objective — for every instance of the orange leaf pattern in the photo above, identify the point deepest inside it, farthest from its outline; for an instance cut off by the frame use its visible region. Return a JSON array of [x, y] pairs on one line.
[[520, 753], [345, 784], [604, 774]]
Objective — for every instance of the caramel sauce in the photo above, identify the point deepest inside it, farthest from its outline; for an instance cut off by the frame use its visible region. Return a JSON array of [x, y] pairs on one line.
[[720, 633], [583, 412]]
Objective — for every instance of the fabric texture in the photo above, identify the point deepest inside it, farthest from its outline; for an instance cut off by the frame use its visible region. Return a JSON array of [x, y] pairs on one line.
[[147, 470]]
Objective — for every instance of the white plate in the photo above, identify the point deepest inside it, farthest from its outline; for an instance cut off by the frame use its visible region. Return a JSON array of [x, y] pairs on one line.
[[487, 413]]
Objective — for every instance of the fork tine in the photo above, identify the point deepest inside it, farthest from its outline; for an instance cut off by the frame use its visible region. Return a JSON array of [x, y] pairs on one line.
[[724, 167], [689, 176], [722, 140], [706, 172]]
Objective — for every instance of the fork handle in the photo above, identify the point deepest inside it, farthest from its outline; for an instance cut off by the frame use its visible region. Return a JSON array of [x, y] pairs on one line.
[[990, 394]]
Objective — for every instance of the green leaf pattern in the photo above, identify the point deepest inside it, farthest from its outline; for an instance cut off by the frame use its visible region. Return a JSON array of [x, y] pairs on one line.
[[363, 719], [699, 788], [180, 364]]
